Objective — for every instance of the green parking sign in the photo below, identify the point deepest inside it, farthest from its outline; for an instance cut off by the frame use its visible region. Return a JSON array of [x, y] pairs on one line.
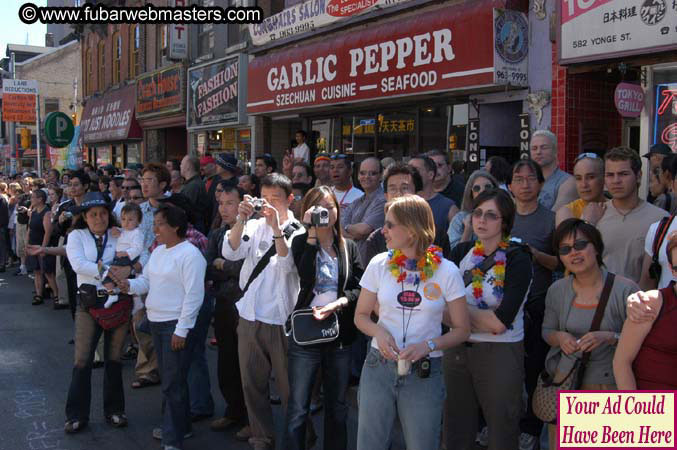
[[59, 129]]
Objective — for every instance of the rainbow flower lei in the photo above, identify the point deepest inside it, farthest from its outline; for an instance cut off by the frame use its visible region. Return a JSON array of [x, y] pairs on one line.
[[498, 281], [414, 271]]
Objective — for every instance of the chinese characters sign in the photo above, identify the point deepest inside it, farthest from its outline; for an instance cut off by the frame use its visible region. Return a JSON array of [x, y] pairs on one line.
[[665, 121], [597, 29]]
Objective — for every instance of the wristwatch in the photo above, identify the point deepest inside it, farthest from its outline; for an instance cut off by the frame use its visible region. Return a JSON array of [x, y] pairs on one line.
[[617, 336], [431, 345]]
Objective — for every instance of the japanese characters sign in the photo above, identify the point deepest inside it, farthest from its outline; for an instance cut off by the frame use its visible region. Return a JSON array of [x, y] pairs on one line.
[[597, 29]]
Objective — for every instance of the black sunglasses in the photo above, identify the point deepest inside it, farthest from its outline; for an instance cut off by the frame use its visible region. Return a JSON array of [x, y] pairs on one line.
[[478, 188], [579, 245]]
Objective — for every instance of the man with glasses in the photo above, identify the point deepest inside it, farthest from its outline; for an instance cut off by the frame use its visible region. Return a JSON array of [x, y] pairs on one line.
[[365, 214], [136, 195], [559, 187], [444, 183], [627, 218], [301, 173], [534, 225], [400, 179], [591, 202], [341, 171]]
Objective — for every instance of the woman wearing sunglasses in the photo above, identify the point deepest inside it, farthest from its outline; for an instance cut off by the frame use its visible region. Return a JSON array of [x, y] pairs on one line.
[[646, 357], [570, 306], [460, 229], [487, 372]]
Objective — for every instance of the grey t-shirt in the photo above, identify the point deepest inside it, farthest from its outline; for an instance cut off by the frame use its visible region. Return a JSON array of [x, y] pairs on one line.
[[536, 229]]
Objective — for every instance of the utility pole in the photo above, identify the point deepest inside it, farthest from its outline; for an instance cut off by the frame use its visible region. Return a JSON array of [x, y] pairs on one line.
[[37, 132], [12, 127]]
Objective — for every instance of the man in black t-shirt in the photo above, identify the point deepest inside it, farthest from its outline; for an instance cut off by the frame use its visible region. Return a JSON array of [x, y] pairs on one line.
[[444, 183]]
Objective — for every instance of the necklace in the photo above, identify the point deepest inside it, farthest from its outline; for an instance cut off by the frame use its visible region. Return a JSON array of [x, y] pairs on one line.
[[423, 269], [498, 280]]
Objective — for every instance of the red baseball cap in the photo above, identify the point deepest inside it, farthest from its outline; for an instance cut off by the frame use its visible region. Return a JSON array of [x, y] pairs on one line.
[[206, 160]]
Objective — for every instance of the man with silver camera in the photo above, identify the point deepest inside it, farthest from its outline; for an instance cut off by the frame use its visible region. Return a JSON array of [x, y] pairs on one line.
[[270, 284]]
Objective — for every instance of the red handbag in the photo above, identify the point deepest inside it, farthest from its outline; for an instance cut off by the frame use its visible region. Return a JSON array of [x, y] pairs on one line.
[[118, 313]]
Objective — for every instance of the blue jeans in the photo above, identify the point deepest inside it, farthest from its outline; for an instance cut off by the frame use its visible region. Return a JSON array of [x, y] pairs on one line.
[[173, 367], [383, 394], [199, 388], [304, 362]]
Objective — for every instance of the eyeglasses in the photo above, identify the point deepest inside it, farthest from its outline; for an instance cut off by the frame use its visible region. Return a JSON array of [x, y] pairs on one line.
[[477, 188], [579, 245], [586, 155], [368, 173], [522, 180], [489, 216]]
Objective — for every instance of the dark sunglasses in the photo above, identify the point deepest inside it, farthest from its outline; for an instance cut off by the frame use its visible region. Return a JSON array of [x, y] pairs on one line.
[[579, 245], [489, 216], [478, 188], [129, 188]]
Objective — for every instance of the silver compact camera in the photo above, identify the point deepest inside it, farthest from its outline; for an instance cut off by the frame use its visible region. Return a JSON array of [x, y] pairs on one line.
[[257, 203], [319, 217]]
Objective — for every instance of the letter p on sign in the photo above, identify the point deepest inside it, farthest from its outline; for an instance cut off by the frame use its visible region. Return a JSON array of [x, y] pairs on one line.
[[59, 129]]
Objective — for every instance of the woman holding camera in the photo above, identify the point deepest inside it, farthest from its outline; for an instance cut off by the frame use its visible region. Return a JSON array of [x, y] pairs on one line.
[[91, 242], [413, 286], [329, 268]]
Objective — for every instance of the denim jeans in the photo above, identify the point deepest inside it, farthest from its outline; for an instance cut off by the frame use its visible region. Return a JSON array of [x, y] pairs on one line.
[[174, 375], [383, 395], [304, 362], [199, 388], [87, 334]]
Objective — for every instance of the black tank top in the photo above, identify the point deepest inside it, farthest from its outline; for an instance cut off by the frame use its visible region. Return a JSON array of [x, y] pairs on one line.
[[36, 231]]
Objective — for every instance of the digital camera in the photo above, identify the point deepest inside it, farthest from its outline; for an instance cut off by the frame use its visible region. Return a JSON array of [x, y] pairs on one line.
[[319, 217], [257, 203]]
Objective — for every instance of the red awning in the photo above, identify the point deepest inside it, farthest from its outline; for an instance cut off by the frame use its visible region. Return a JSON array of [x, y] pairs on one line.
[[111, 118]]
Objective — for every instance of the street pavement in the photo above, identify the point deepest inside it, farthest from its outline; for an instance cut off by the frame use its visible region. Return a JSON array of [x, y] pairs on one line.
[[35, 368]]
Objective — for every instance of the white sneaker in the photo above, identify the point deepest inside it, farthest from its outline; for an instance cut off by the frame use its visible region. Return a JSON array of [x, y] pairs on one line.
[[482, 438], [527, 441]]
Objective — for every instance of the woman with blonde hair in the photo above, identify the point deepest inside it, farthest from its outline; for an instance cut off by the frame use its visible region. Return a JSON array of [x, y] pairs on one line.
[[413, 287], [329, 268]]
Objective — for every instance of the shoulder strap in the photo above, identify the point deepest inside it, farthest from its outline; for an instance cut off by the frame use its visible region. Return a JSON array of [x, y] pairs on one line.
[[599, 311], [661, 231], [265, 259]]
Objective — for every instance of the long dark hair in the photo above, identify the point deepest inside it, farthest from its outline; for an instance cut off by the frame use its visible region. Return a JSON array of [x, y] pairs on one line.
[[578, 227], [313, 197]]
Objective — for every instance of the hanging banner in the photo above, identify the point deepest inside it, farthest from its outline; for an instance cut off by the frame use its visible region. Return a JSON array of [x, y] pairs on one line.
[[525, 136], [473, 144], [665, 119], [57, 157], [217, 93], [436, 51], [308, 16], [598, 29], [629, 99]]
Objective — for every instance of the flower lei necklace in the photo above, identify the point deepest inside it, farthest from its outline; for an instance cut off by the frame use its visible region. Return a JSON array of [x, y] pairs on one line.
[[426, 265], [498, 280]]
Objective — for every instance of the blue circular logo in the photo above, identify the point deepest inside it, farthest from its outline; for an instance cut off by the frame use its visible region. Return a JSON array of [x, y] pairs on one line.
[[511, 31]]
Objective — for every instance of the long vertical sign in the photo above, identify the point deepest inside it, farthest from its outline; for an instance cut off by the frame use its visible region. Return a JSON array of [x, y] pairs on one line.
[[473, 144], [525, 136]]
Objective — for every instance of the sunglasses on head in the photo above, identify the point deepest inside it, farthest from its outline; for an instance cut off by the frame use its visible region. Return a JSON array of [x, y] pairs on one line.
[[339, 156], [579, 245], [586, 155]]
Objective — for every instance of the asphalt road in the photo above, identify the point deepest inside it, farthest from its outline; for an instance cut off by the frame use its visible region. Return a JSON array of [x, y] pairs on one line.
[[35, 368]]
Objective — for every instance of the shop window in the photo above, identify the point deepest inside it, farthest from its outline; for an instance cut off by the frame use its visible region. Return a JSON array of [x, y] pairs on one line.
[[101, 66], [397, 131], [51, 105], [89, 86], [163, 39], [117, 57], [134, 51], [234, 29], [433, 127]]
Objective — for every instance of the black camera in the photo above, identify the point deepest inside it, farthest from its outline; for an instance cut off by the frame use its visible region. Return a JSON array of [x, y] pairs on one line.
[[423, 369], [319, 217]]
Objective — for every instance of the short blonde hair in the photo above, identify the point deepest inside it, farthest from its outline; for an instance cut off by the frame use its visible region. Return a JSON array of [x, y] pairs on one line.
[[414, 213]]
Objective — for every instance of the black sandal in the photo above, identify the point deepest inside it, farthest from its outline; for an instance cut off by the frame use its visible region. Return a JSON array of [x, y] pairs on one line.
[[74, 426], [38, 300], [117, 420]]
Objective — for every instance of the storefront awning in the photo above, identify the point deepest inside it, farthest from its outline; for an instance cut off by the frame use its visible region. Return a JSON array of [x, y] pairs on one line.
[[111, 118]]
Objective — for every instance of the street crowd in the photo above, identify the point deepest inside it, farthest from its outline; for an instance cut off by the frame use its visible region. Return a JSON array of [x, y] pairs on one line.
[[457, 301]]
